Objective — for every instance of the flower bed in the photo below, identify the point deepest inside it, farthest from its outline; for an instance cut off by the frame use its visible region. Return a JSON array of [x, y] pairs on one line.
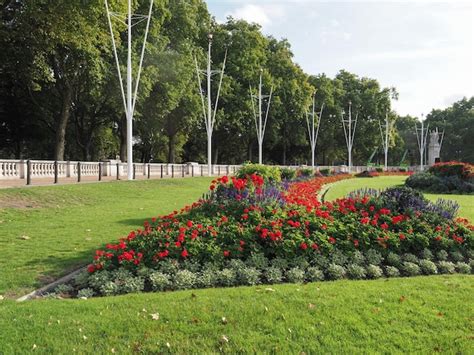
[[249, 231], [450, 177]]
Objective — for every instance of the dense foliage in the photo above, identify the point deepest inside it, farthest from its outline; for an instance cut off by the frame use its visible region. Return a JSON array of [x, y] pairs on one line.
[[250, 231], [60, 98], [450, 177]]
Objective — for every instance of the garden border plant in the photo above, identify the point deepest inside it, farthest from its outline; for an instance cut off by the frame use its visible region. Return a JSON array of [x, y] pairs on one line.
[[252, 229]]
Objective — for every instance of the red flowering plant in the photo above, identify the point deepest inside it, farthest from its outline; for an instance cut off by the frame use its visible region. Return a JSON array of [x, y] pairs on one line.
[[245, 216], [462, 170]]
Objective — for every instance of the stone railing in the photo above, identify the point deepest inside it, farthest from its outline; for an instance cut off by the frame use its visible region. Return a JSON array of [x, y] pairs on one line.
[[29, 170]]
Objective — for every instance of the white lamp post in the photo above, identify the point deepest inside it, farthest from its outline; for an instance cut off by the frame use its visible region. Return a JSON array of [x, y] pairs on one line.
[[260, 122], [313, 128], [208, 114], [129, 99], [385, 130], [349, 126], [421, 135]]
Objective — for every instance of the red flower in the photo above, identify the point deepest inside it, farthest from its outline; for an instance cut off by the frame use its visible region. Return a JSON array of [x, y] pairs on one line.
[[332, 240], [224, 179], [189, 224], [314, 246], [384, 226], [356, 243], [401, 236], [226, 253], [91, 268], [303, 246], [365, 220], [212, 187], [184, 253]]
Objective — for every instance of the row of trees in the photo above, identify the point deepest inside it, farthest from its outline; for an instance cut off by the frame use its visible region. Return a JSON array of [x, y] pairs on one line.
[[60, 97]]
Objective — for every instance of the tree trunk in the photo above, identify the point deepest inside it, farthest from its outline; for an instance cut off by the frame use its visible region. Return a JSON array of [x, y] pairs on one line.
[[284, 152], [171, 148], [62, 124]]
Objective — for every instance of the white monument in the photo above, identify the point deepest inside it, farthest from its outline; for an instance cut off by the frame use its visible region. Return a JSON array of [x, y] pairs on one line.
[[434, 147]]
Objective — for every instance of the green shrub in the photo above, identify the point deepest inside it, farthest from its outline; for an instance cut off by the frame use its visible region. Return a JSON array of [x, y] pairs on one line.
[[248, 276], [257, 260], [269, 173], [169, 267], [63, 289], [446, 267], [85, 293], [159, 281], [287, 173], [184, 279], [227, 277], [358, 258], [314, 274], [422, 181], [463, 268], [471, 265], [356, 272], [393, 259], [305, 172], [379, 169], [299, 262], [127, 282], [442, 255], [325, 172], [81, 280], [335, 272], [426, 254], [109, 288], [456, 256], [273, 275], [391, 271], [295, 275], [207, 278], [428, 267], [374, 272], [373, 257], [99, 278], [280, 263], [338, 257], [410, 269], [320, 261], [410, 258]]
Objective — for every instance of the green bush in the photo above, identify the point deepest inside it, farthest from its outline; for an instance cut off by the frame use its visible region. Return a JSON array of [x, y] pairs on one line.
[[325, 172], [227, 277], [373, 257], [428, 267], [446, 267], [295, 275], [463, 268], [456, 256], [392, 271], [336, 272], [410, 258], [426, 254], [159, 281], [442, 255], [422, 181], [248, 276], [305, 172], [269, 173], [356, 272], [207, 278], [287, 173], [314, 274], [374, 272], [393, 259], [410, 269], [273, 275], [379, 169], [85, 293], [358, 258]]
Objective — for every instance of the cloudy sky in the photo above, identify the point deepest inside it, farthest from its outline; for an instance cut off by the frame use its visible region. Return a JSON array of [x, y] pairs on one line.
[[423, 48]]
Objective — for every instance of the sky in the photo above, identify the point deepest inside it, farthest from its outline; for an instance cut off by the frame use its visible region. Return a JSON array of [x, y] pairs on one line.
[[422, 48]]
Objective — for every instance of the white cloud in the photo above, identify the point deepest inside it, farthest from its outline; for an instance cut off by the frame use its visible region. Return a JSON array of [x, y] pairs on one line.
[[264, 15]]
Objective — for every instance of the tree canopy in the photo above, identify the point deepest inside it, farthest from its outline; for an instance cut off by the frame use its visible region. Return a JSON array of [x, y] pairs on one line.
[[60, 96]]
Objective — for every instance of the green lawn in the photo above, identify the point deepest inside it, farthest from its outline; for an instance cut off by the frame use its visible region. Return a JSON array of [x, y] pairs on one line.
[[405, 315], [47, 231], [342, 188], [65, 224]]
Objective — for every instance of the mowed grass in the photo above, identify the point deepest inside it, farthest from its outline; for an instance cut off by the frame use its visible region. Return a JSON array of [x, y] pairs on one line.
[[403, 315], [342, 188], [46, 232]]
